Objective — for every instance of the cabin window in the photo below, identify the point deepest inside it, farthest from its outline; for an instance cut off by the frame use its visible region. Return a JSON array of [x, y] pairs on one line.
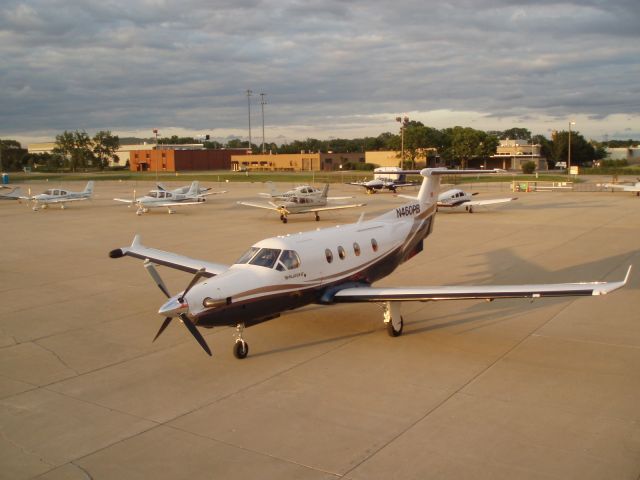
[[266, 257], [341, 253], [248, 255], [374, 244], [329, 255], [289, 259], [356, 249]]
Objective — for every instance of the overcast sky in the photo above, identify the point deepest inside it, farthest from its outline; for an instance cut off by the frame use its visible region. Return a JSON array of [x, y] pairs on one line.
[[329, 68]]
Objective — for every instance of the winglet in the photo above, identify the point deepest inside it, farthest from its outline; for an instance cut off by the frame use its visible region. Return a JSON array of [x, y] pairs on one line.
[[626, 277], [136, 241], [612, 286]]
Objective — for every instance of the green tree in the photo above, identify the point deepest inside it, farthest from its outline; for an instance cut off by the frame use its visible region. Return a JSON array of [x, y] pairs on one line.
[[461, 144], [105, 146], [582, 152], [12, 155], [516, 134], [75, 147]]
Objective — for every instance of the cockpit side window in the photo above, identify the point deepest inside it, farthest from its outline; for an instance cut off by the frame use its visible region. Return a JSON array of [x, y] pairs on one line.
[[248, 255], [153, 194], [266, 257], [290, 259]]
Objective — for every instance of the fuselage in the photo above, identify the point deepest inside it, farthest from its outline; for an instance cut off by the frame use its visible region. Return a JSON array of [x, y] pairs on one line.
[[162, 197], [453, 198], [287, 272]]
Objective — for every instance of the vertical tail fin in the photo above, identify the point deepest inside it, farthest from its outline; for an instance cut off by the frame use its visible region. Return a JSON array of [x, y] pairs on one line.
[[89, 188], [325, 191], [194, 190], [428, 194]]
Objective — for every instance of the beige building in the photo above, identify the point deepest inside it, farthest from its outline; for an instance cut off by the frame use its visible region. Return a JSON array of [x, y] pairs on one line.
[[295, 162], [391, 158], [511, 154]]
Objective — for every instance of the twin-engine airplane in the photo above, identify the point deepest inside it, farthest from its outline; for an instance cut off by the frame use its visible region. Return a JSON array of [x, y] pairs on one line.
[[305, 203], [324, 266], [635, 188], [58, 195], [161, 198]]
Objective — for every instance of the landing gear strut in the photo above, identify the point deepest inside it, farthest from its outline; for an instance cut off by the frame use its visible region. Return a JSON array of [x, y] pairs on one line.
[[317, 217], [241, 348], [392, 319]]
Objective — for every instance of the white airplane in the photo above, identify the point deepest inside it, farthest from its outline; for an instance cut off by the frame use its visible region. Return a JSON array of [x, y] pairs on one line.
[[635, 188], [293, 205], [165, 199], [324, 266], [202, 192], [297, 192], [459, 198], [58, 195]]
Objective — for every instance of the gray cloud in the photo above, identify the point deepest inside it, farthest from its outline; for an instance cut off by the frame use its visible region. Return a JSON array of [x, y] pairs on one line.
[[142, 64]]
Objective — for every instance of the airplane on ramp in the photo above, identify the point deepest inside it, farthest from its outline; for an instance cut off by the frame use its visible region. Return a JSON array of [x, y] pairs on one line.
[[294, 205], [324, 266], [166, 199], [634, 188], [60, 196], [297, 192], [459, 198], [202, 191]]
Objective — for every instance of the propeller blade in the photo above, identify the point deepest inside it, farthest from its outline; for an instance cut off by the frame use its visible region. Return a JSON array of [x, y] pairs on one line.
[[164, 325], [194, 280], [196, 334], [156, 277]]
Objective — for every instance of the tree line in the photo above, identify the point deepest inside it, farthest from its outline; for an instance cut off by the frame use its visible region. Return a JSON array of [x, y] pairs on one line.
[[454, 146]]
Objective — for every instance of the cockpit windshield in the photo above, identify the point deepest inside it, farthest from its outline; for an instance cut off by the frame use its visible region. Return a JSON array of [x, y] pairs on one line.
[[267, 257], [248, 255]]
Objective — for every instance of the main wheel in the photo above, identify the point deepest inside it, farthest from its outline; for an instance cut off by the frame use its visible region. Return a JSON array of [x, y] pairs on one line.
[[284, 219], [392, 331], [241, 349]]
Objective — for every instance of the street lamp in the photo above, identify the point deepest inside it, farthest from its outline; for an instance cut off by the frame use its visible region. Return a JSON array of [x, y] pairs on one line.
[[569, 149], [403, 123], [155, 132], [249, 93]]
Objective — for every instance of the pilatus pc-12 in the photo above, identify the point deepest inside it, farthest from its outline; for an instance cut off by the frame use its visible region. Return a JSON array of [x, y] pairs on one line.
[[324, 266]]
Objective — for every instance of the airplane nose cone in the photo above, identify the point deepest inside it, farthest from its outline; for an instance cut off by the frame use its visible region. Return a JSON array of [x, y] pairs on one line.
[[173, 307]]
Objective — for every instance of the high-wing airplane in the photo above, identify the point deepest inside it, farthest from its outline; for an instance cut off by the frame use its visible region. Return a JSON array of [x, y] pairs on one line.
[[58, 195], [635, 188], [202, 191], [166, 199], [302, 204], [324, 266]]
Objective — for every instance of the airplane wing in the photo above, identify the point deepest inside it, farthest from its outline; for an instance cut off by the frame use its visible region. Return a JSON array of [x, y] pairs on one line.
[[259, 205], [489, 201], [626, 188], [124, 200], [334, 207], [168, 259], [486, 292], [211, 193], [171, 204]]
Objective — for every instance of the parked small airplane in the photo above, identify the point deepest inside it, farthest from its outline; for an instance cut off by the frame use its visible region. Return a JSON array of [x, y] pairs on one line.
[[635, 188], [202, 192], [386, 178], [323, 266], [164, 199], [304, 203], [297, 192], [58, 195], [459, 198]]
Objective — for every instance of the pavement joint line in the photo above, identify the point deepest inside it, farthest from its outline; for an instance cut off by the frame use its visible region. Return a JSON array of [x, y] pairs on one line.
[[589, 342], [57, 356], [460, 389]]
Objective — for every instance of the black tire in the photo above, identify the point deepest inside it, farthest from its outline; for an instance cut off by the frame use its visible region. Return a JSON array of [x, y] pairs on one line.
[[284, 219], [241, 349], [317, 218], [392, 331]]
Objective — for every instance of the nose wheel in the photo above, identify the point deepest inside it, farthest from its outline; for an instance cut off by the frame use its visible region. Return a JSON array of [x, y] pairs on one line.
[[241, 348]]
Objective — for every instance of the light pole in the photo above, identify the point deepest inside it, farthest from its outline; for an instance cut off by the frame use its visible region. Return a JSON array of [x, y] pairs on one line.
[[155, 132], [569, 149], [262, 103], [403, 122], [249, 92]]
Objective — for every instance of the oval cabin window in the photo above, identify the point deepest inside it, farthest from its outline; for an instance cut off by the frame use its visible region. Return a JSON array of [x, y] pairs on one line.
[[329, 255], [374, 244], [341, 253], [356, 249]]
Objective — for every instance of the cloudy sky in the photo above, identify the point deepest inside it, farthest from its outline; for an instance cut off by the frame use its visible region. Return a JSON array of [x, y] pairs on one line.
[[329, 68]]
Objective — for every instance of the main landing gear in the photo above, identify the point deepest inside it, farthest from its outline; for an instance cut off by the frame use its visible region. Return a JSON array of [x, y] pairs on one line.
[[241, 348], [283, 217], [317, 217], [392, 319]]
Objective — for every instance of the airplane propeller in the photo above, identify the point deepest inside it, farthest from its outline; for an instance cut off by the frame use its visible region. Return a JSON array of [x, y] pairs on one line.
[[183, 316]]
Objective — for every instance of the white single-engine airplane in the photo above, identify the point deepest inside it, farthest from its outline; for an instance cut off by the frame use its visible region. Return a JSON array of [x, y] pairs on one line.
[[202, 191], [297, 192], [459, 198], [324, 266], [305, 203], [58, 195], [635, 188], [161, 198]]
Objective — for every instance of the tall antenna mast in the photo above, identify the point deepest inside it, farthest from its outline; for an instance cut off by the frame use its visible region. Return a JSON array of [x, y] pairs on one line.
[[262, 103], [249, 92]]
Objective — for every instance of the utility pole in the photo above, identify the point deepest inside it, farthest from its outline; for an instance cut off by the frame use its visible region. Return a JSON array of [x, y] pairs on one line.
[[155, 132], [262, 103], [249, 93], [569, 149], [403, 123]]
